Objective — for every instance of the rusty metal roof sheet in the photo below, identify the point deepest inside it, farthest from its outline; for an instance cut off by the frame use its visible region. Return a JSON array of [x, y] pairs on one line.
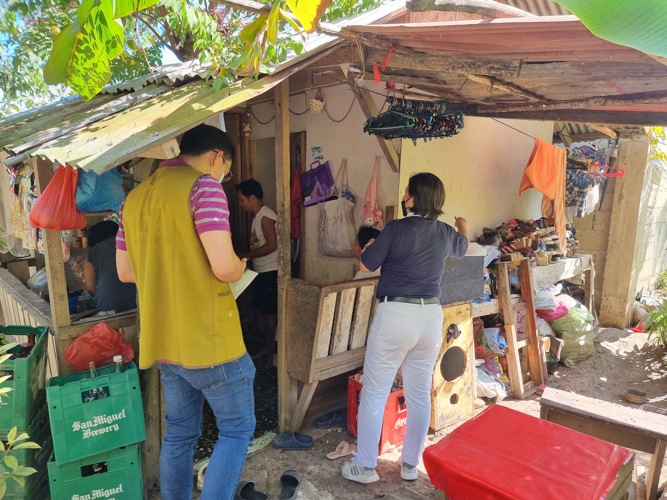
[[165, 75], [112, 128]]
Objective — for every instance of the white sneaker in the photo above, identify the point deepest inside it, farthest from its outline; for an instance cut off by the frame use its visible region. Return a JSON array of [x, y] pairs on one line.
[[355, 472], [408, 472]]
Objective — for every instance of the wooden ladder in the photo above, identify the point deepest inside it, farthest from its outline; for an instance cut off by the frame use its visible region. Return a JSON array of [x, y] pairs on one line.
[[530, 341]]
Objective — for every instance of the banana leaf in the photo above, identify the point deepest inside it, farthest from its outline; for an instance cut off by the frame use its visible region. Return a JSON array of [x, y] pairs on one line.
[[640, 24]]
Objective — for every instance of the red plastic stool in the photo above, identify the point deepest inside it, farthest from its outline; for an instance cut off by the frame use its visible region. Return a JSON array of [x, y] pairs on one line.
[[503, 454]]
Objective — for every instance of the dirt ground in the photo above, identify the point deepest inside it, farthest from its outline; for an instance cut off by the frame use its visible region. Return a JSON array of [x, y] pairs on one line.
[[621, 360]]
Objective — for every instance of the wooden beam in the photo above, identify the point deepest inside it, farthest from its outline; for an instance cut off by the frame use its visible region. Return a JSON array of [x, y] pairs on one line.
[[510, 88], [485, 8], [370, 110], [582, 137], [624, 251], [55, 267], [563, 134], [605, 130], [285, 385], [585, 116], [645, 98], [417, 61]]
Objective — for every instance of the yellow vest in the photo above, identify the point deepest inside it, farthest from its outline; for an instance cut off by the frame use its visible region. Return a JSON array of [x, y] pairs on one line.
[[188, 316]]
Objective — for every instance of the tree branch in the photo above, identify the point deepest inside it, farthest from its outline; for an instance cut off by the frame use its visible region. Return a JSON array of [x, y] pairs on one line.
[[159, 37], [174, 45]]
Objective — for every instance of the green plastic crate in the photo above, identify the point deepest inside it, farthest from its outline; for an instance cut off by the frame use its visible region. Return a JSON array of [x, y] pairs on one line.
[[19, 405], [82, 429], [120, 477], [40, 491], [40, 433]]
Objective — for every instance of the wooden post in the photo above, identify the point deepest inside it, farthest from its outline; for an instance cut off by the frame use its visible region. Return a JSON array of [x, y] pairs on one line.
[[285, 383], [55, 269], [626, 232]]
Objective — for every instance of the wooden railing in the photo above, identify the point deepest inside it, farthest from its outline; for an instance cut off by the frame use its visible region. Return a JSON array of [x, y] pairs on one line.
[[22, 306]]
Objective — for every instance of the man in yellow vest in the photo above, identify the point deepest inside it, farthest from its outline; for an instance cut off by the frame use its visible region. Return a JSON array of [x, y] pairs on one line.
[[174, 242]]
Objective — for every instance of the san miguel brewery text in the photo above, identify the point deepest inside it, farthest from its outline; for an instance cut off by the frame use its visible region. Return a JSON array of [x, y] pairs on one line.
[[90, 428], [106, 494]]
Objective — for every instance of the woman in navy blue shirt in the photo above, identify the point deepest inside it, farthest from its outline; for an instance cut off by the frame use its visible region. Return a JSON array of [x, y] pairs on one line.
[[407, 329]]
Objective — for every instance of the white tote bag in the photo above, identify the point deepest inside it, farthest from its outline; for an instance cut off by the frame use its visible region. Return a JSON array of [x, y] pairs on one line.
[[336, 231]]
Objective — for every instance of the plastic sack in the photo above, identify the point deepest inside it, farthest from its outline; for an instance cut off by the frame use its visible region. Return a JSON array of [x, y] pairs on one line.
[[336, 232], [494, 340], [577, 330], [97, 193], [39, 283], [99, 344], [545, 299], [489, 386], [553, 314], [544, 328], [56, 207], [316, 183]]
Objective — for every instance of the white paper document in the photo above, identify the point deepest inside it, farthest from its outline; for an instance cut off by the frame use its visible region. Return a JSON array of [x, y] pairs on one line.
[[239, 287]]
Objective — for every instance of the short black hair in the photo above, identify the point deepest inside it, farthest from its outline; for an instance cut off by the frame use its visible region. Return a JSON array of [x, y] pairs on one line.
[[102, 231], [249, 188], [204, 138], [428, 194], [367, 234]]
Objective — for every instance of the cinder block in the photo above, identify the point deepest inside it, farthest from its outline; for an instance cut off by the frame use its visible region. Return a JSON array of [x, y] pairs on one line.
[[583, 223], [601, 221], [592, 241]]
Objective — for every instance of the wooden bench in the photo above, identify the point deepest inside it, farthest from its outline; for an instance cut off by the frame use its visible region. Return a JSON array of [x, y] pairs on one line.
[[326, 336], [623, 426]]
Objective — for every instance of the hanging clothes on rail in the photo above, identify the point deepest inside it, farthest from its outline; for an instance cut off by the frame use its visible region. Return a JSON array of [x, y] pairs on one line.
[[546, 172]]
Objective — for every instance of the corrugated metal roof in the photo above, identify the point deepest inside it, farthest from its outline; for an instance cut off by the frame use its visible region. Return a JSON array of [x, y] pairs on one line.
[[111, 129], [165, 75]]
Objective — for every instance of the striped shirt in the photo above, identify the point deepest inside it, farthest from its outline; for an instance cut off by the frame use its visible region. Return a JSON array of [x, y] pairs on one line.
[[208, 202]]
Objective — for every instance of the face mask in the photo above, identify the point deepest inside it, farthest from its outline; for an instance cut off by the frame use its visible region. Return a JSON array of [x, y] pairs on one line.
[[405, 210], [224, 177]]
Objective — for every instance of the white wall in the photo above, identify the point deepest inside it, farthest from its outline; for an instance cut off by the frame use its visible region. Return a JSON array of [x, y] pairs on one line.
[[339, 140], [481, 169]]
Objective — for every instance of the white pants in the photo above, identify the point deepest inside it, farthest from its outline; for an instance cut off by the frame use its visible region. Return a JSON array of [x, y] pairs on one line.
[[406, 336]]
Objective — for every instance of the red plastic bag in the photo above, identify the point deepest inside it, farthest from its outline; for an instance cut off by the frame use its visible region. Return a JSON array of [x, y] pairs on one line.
[[56, 207], [99, 344], [553, 314]]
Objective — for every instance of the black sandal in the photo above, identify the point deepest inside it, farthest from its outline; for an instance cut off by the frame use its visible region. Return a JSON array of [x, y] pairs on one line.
[[290, 482]]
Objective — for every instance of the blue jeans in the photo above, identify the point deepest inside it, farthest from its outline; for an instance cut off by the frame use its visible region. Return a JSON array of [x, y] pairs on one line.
[[228, 390]]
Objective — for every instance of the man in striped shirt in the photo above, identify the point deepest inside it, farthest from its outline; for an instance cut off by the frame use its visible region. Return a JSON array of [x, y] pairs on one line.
[[190, 325]]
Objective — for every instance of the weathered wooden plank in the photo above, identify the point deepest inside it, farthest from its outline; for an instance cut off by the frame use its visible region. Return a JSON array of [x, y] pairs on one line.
[[654, 468], [362, 316], [544, 276], [285, 386], [341, 335], [340, 363], [117, 321], [165, 151], [302, 405], [303, 311], [325, 322], [633, 420], [513, 366], [530, 325]]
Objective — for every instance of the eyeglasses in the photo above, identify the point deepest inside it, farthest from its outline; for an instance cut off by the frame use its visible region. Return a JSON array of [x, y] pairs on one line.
[[228, 176]]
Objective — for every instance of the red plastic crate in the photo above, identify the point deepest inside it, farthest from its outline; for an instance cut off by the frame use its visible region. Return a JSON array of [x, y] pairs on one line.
[[394, 420]]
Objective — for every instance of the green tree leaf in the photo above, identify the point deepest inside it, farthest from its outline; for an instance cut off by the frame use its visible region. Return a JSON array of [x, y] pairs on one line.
[[25, 471], [11, 462], [27, 446], [11, 436], [22, 437], [19, 479], [641, 24]]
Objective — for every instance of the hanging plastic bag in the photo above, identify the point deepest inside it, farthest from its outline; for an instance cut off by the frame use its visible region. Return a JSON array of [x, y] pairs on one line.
[[56, 207], [553, 314], [316, 183], [99, 344], [97, 193], [336, 231]]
